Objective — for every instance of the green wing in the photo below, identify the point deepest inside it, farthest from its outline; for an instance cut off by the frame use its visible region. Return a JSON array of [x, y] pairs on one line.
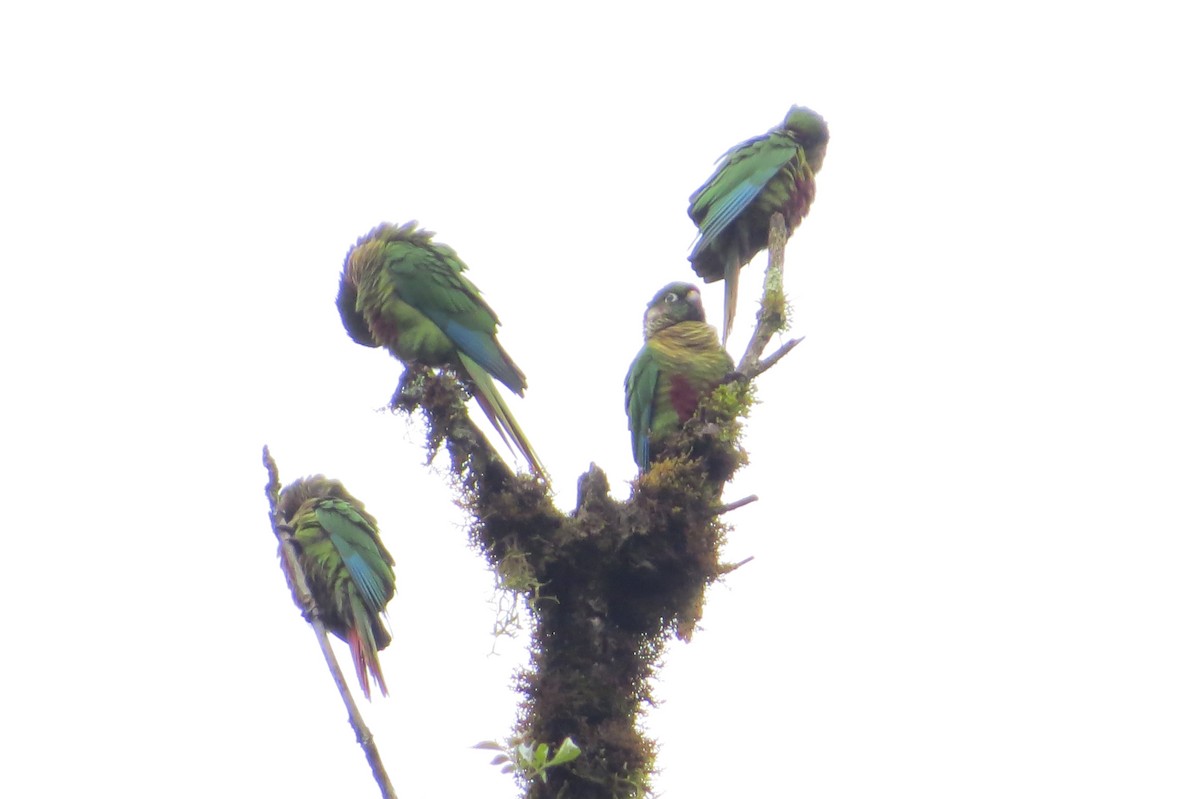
[[357, 544], [430, 279], [640, 384], [743, 174]]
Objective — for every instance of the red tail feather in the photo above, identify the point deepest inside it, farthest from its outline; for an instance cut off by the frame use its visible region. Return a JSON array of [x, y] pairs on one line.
[[365, 659]]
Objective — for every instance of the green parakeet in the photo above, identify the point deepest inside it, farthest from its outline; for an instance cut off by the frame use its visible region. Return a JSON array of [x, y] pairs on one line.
[[679, 364], [346, 568], [754, 180], [403, 291]]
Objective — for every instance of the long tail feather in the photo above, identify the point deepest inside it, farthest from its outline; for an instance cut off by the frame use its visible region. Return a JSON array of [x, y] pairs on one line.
[[498, 413], [731, 293], [366, 658]]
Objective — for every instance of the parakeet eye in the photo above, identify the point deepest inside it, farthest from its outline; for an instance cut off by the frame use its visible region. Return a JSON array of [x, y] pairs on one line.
[[671, 297]]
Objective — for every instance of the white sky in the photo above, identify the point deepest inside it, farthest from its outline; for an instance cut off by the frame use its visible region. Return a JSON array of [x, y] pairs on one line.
[[976, 551]]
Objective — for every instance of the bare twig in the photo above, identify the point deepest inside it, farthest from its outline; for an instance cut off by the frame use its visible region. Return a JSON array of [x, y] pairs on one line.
[[741, 503], [772, 314], [295, 578], [726, 568], [766, 363]]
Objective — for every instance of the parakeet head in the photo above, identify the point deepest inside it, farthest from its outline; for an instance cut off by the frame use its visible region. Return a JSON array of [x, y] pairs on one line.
[[316, 487], [364, 257], [674, 303], [370, 247], [809, 130], [354, 322]]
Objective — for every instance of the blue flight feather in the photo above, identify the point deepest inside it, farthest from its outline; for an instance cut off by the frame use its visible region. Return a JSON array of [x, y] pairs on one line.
[[480, 347], [727, 209]]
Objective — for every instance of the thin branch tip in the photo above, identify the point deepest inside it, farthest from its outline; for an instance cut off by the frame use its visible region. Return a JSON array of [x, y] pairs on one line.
[[766, 363], [732, 567], [741, 503]]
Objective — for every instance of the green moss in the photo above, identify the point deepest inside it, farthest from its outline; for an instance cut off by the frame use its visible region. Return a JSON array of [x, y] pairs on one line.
[[775, 308]]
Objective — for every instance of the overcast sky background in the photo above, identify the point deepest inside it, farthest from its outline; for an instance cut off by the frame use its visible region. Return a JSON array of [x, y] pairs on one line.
[[977, 545]]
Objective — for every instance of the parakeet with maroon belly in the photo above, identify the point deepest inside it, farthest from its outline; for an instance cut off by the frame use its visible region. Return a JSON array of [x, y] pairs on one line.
[[680, 363], [402, 290], [345, 566], [771, 173]]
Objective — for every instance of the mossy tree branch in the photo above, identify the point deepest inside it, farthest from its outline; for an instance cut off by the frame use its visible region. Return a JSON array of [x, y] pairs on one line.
[[308, 607], [611, 581]]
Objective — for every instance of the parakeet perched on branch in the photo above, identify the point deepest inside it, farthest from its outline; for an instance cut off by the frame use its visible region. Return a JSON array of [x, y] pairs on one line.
[[753, 180], [679, 364], [403, 291], [346, 568]]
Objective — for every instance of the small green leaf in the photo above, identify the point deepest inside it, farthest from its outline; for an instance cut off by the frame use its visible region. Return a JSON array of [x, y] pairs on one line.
[[488, 745], [566, 753]]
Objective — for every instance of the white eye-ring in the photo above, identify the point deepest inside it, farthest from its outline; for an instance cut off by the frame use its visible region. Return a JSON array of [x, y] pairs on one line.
[[671, 297]]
